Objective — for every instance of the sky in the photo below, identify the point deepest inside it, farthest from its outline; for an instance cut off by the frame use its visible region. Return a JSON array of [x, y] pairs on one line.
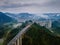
[[30, 6]]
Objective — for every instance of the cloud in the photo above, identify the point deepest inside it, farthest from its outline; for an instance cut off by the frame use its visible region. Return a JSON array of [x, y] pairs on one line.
[[53, 3], [18, 5], [21, 3], [33, 6]]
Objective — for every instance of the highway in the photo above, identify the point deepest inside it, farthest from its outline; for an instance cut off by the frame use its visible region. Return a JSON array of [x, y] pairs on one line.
[[24, 30]]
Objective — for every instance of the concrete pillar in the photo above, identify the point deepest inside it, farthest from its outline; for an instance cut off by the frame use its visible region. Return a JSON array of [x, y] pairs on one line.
[[20, 40], [15, 43]]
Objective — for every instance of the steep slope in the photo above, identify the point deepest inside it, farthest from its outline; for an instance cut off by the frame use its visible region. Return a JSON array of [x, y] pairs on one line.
[[21, 17], [53, 16], [24, 16], [11, 33], [37, 35], [56, 26], [4, 18]]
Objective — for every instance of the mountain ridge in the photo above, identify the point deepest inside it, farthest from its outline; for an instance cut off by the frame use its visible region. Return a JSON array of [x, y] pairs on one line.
[[4, 18]]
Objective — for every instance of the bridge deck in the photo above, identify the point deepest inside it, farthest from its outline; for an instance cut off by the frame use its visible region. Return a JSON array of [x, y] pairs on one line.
[[19, 34]]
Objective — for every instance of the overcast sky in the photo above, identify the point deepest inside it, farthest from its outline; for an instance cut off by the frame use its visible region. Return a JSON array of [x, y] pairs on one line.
[[31, 6]]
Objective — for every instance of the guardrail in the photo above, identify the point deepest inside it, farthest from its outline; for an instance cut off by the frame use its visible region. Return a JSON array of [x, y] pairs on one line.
[[24, 30]]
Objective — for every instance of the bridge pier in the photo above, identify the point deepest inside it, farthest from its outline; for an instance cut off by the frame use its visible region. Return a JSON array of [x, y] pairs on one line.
[[20, 40], [17, 40], [15, 43]]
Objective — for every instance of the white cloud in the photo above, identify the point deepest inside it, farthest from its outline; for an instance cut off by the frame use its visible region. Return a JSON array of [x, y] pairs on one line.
[[32, 6], [44, 16]]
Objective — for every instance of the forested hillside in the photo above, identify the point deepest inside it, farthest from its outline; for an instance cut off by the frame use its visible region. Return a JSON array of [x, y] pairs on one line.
[[37, 35]]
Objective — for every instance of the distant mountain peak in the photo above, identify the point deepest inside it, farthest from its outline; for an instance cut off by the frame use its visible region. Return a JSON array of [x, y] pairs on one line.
[[4, 18], [25, 14]]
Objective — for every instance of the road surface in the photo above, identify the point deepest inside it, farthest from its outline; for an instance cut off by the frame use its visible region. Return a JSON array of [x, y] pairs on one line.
[[19, 34]]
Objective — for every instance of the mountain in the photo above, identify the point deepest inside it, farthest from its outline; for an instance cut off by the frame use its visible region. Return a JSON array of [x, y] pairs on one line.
[[21, 17], [36, 34], [25, 16], [56, 26], [4, 18], [53, 16]]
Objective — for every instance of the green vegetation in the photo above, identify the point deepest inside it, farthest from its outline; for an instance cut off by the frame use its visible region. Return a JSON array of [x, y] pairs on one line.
[[37, 35], [0, 43], [56, 26], [3, 30], [11, 33]]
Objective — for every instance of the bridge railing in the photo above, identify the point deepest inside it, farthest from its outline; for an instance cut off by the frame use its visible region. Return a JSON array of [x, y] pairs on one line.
[[19, 35]]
